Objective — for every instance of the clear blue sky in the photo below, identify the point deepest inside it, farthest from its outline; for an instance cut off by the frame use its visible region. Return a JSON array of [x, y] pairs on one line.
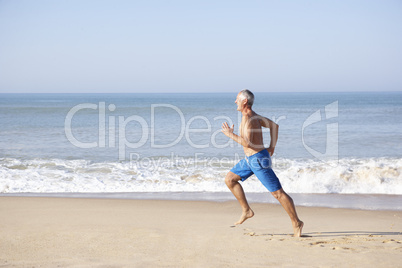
[[200, 46]]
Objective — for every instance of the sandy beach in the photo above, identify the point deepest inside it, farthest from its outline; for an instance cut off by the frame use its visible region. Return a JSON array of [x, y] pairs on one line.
[[78, 232]]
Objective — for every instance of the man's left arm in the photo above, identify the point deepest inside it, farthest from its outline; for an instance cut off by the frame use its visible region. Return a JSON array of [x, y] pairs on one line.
[[273, 131]]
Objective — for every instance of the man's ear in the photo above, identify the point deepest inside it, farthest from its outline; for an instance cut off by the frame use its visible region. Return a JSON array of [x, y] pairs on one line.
[[245, 101]]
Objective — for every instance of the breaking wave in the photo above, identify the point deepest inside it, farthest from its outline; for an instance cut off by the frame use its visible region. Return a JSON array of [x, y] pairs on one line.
[[351, 176]]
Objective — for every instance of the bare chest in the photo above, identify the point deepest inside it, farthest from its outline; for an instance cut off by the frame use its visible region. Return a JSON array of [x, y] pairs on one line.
[[243, 127]]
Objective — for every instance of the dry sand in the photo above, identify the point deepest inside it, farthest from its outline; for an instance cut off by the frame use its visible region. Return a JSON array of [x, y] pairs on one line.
[[74, 232]]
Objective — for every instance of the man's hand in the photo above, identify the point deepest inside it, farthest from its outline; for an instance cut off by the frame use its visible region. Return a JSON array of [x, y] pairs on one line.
[[271, 150], [226, 129]]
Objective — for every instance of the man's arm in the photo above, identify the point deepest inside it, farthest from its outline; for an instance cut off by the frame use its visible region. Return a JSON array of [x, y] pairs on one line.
[[273, 131], [228, 131]]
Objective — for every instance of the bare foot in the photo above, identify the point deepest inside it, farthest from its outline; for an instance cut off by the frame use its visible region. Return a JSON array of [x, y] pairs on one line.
[[245, 215], [298, 229]]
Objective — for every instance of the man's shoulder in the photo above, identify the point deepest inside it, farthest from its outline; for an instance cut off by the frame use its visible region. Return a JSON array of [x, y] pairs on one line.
[[255, 120], [256, 116]]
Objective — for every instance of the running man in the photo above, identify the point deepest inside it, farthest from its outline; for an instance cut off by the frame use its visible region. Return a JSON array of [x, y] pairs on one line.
[[257, 160]]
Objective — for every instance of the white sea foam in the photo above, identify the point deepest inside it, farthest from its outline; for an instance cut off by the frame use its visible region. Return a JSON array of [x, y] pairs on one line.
[[359, 176]]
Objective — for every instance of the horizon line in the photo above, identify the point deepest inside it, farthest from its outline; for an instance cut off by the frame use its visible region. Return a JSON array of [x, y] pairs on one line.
[[200, 92]]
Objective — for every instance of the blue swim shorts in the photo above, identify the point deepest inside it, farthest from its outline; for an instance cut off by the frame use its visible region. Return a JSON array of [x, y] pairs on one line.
[[259, 164]]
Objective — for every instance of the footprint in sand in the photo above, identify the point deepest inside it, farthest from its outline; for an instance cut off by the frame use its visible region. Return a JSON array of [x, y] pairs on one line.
[[344, 248], [392, 241], [318, 243], [250, 234], [275, 239]]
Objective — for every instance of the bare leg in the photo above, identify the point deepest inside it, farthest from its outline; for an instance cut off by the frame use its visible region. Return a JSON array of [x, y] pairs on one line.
[[287, 203], [232, 181]]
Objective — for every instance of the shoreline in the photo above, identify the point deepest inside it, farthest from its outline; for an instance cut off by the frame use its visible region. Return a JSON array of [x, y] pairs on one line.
[[346, 201], [91, 232]]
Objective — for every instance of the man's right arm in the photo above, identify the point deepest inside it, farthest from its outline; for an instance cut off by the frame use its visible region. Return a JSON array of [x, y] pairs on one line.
[[228, 131]]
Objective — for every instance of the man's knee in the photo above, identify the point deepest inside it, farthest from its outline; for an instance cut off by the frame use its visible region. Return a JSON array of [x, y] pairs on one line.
[[278, 194], [231, 178]]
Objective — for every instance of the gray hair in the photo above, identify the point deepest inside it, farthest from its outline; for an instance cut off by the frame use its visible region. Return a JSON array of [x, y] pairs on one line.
[[248, 95]]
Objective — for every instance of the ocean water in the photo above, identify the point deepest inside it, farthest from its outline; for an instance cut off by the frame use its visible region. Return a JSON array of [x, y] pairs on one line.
[[329, 143]]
